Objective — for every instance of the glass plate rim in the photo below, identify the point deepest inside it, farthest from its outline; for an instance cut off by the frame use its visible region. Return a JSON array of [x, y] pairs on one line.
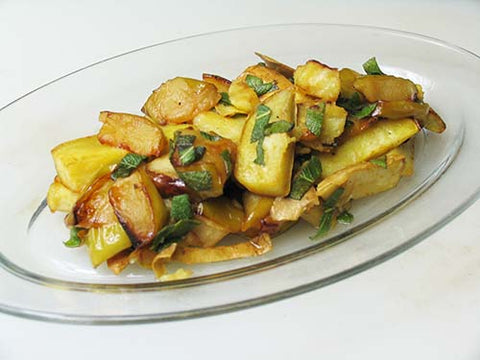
[[245, 304]]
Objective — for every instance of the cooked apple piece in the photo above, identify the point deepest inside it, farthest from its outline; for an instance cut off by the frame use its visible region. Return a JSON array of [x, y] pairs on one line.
[[273, 64], [225, 127], [164, 176], [203, 162], [242, 96], [61, 198], [133, 133], [78, 162], [207, 234], [386, 88], [376, 140], [272, 176], [93, 209], [256, 208], [347, 78], [223, 211], [318, 80], [179, 100], [194, 255], [287, 209], [106, 241], [219, 82], [363, 179], [138, 206]]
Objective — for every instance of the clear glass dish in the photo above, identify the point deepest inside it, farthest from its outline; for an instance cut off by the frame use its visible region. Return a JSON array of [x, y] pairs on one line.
[[40, 278]]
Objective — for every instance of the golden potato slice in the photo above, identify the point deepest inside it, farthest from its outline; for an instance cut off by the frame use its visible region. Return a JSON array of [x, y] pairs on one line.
[[106, 241], [208, 233], [242, 96], [318, 80], [374, 141], [219, 82], [273, 178], [254, 247], [93, 209], [401, 109], [347, 78], [78, 162], [61, 198], [179, 100], [133, 133], [228, 128], [363, 179], [286, 209], [170, 129], [223, 211], [164, 176], [138, 206], [256, 208], [433, 122], [385, 87]]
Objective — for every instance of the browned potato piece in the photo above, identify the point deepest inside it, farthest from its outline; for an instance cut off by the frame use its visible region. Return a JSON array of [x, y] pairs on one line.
[[133, 133], [286, 209], [313, 215], [61, 198], [93, 209], [407, 150], [170, 129], [318, 80], [164, 176], [242, 96], [208, 233], [273, 64], [376, 140], [138, 207], [433, 122], [256, 208], [254, 247], [228, 128], [179, 100], [105, 242], [401, 109], [223, 211], [219, 82], [347, 78], [386, 88], [268, 75]]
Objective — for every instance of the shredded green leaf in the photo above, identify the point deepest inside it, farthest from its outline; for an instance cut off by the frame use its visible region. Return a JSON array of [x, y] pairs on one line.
[[187, 156], [126, 166], [371, 67], [183, 141], [261, 120], [172, 233], [75, 240], [380, 161], [181, 208], [308, 174], [345, 218], [197, 180], [210, 137], [227, 158], [225, 99], [314, 118], [258, 85], [365, 111], [351, 104], [325, 223], [260, 159], [277, 127], [332, 200]]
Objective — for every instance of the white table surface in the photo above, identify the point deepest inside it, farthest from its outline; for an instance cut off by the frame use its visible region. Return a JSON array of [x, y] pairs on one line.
[[423, 304]]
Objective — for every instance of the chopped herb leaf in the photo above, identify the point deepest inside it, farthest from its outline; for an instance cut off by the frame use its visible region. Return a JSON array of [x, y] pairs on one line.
[[183, 141], [187, 156], [305, 178], [225, 99], [181, 208], [210, 137], [75, 240], [371, 67], [261, 63], [333, 199], [260, 159], [277, 127], [197, 180], [314, 118], [351, 104], [126, 166], [380, 161], [258, 85], [199, 152], [173, 233], [261, 120], [325, 223], [345, 218], [225, 154], [365, 111]]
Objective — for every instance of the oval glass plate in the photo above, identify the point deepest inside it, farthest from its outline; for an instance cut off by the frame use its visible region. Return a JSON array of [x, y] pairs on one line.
[[40, 278]]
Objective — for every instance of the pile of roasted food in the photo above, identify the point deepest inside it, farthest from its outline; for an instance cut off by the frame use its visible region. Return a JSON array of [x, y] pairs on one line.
[[251, 156]]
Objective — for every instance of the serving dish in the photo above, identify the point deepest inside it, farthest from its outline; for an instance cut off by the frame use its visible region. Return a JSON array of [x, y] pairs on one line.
[[40, 278]]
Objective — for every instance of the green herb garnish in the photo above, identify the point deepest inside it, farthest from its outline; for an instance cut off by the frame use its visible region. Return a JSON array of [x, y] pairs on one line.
[[314, 118], [351, 104], [371, 67], [225, 99], [227, 159], [126, 166], [183, 141], [260, 159], [173, 233], [278, 127], [258, 85], [308, 174], [197, 180], [380, 161], [332, 200], [210, 137], [261, 120], [187, 153], [328, 213], [365, 111], [345, 218], [75, 240], [181, 208]]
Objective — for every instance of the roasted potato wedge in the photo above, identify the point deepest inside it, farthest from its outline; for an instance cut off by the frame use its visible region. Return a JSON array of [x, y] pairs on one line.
[[386, 88], [347, 78], [242, 96], [179, 100], [223, 211], [133, 133], [219, 82], [61, 198], [318, 80], [228, 128], [164, 176], [256, 208]]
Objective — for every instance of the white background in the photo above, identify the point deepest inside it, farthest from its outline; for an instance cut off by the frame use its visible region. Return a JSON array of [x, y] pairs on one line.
[[423, 304]]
